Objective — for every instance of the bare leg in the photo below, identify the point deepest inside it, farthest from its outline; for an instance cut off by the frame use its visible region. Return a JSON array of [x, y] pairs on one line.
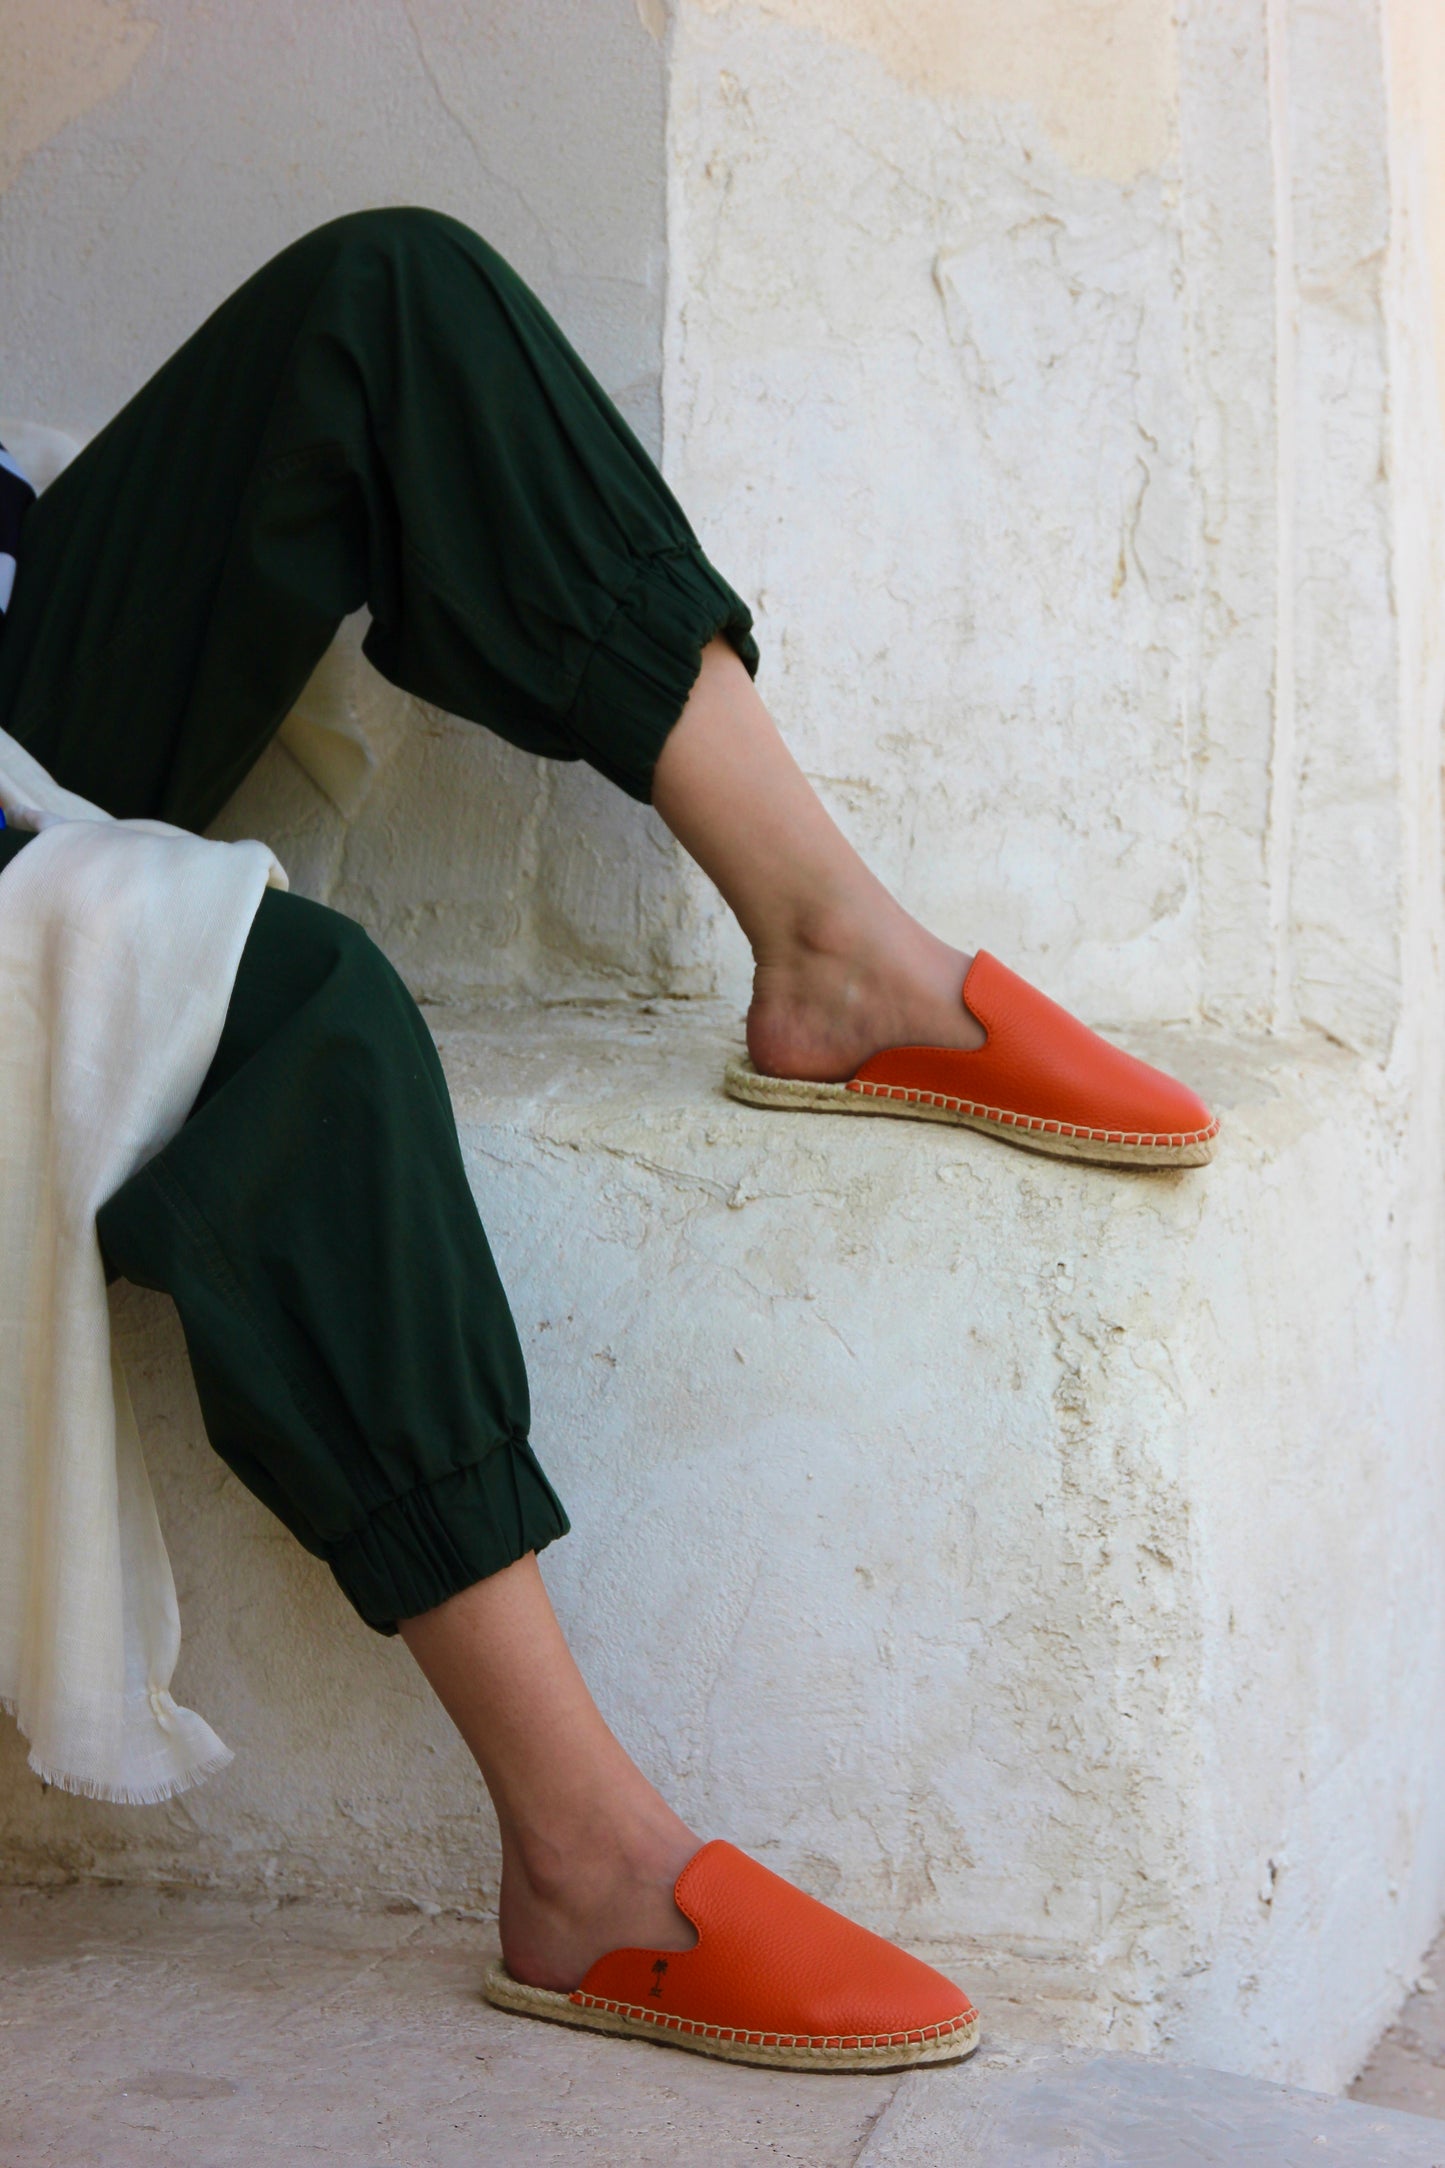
[[590, 1852], [841, 970]]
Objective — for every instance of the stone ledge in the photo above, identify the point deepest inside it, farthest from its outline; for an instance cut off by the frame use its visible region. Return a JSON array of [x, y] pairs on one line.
[[574, 1065]]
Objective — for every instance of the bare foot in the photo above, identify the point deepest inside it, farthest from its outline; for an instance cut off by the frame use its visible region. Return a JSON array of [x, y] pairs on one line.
[[842, 971], [558, 1917], [859, 977]]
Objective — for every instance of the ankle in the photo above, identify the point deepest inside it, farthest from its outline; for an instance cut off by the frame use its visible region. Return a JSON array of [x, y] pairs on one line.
[[562, 1865], [848, 980], [823, 929], [564, 1906]]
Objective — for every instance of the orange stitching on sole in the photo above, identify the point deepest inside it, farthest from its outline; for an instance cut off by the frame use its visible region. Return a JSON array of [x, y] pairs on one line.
[[640, 2014], [791, 2051], [1035, 1122]]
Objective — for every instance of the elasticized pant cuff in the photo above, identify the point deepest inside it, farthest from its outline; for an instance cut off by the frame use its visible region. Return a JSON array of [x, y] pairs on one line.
[[646, 663], [416, 1550]]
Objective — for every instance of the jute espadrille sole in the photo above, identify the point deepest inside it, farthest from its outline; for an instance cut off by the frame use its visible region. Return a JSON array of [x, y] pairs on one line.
[[1110, 1148], [777, 2051]]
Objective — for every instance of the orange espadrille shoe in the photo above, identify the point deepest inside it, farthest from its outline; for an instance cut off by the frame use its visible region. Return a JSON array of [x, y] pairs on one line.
[[1041, 1079], [773, 1978]]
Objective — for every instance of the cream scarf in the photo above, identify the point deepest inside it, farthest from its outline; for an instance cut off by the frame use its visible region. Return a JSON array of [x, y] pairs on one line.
[[119, 945]]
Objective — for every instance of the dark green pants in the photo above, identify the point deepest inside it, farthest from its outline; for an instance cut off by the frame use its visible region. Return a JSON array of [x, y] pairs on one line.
[[383, 415]]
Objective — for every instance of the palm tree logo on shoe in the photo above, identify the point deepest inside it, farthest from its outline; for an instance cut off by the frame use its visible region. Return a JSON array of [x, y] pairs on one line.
[[659, 1967]]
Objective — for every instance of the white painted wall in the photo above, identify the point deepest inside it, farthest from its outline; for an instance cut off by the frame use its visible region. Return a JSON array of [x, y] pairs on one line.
[[152, 155], [1062, 384]]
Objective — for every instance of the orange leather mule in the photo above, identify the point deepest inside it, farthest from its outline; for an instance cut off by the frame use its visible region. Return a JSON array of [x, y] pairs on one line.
[[774, 1978], [1041, 1079]]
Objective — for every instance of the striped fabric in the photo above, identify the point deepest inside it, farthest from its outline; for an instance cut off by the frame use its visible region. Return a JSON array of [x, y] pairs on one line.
[[16, 496]]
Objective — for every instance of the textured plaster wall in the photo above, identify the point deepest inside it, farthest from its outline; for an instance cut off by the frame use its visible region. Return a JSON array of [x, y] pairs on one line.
[[1098, 76], [1079, 584], [1416, 287], [1416, 54], [971, 359]]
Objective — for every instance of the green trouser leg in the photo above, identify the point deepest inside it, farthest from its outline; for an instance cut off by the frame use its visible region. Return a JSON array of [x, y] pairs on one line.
[[386, 415], [353, 1351]]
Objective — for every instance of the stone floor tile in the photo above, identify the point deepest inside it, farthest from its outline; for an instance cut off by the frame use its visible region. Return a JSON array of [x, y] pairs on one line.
[[1047, 2110], [148, 2029]]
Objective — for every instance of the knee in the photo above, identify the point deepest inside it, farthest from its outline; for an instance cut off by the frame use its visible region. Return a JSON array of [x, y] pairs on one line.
[[400, 234], [376, 1038], [399, 229], [358, 964], [321, 957], [403, 260]]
